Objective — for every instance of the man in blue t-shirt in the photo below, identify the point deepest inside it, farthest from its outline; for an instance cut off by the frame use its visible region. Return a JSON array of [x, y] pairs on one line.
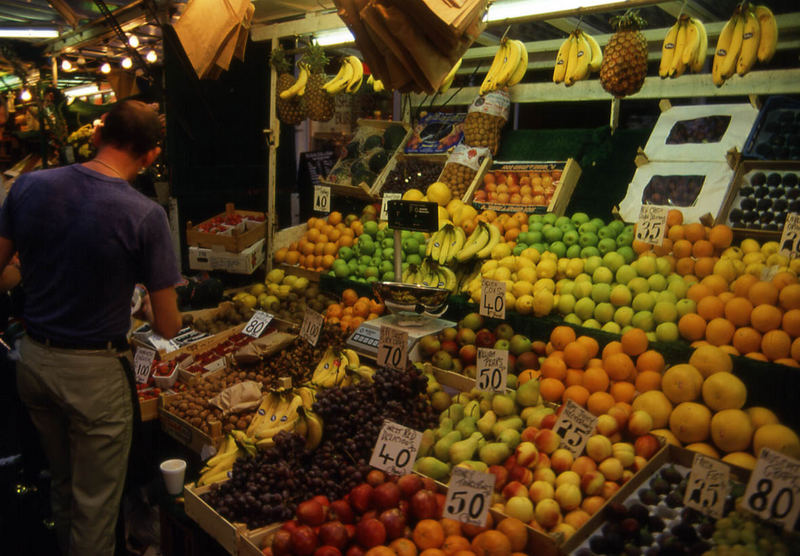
[[85, 238]]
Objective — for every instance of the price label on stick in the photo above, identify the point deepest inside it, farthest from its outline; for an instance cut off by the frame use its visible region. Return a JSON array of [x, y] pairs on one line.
[[493, 299], [311, 327], [652, 225], [469, 496], [385, 203], [492, 373], [396, 449], [773, 491], [322, 198], [393, 348], [575, 425], [790, 238], [257, 323], [142, 363], [708, 486]]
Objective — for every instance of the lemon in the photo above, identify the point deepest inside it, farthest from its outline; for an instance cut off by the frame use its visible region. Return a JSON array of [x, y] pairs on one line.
[[413, 195], [439, 193]]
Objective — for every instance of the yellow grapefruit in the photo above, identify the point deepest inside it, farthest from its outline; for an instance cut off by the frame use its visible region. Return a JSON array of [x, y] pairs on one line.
[[724, 391], [777, 437], [682, 383], [731, 430], [689, 422], [655, 404]]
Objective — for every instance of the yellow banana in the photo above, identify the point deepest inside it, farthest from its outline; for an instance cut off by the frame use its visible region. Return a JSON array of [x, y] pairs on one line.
[[769, 33], [298, 86], [522, 66], [702, 49], [562, 58], [324, 369], [353, 360], [451, 75], [728, 67], [354, 84], [668, 51], [459, 240], [314, 431], [287, 423], [229, 447], [266, 408], [692, 44], [572, 60], [497, 63], [339, 83], [510, 62], [308, 395], [677, 66], [580, 69], [265, 443], [721, 52], [209, 479], [494, 239], [476, 241], [750, 43], [596, 59], [377, 86]]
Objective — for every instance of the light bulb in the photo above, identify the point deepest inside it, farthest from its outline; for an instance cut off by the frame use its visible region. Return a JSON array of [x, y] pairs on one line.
[[133, 41], [66, 65], [105, 68], [25, 96], [151, 56], [127, 63]]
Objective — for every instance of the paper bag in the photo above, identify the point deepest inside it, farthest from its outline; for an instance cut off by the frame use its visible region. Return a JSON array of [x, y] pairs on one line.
[[348, 12], [239, 397], [256, 350]]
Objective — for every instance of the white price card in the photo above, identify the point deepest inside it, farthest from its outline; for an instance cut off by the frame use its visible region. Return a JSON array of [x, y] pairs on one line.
[[492, 370], [575, 425], [142, 363], [311, 327], [652, 224], [396, 449], [322, 198], [708, 486], [469, 495], [385, 203], [790, 238], [493, 299], [257, 323], [162, 344], [393, 348], [773, 491]]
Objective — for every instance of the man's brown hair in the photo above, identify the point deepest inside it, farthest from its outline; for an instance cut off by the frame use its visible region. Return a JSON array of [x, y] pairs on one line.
[[131, 125]]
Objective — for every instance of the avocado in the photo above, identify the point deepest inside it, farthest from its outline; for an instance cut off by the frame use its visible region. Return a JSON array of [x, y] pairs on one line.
[[372, 142], [378, 160], [393, 136], [352, 150]]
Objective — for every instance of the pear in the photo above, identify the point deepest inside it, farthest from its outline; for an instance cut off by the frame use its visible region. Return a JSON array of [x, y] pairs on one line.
[[443, 444], [463, 398], [474, 465], [535, 417], [485, 405], [528, 394], [527, 412], [433, 384], [445, 426], [508, 423], [494, 453], [510, 437], [486, 422], [473, 409], [432, 467], [511, 381], [467, 426], [503, 405], [428, 440], [464, 449], [455, 412]]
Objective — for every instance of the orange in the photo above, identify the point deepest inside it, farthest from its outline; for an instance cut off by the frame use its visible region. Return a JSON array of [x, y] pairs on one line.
[[554, 367], [730, 349], [694, 231], [595, 379], [791, 322], [330, 249], [319, 248], [611, 348], [576, 393], [738, 310], [619, 366], [361, 308], [776, 344], [432, 552], [312, 235], [684, 266], [345, 241], [717, 283], [710, 308], [623, 391], [576, 355], [280, 254], [650, 360], [464, 553], [551, 389], [334, 235], [327, 261], [292, 257], [561, 336], [454, 543], [404, 547], [675, 232], [789, 297], [334, 218], [796, 349], [765, 318], [726, 296], [591, 504], [600, 402], [526, 375], [747, 339], [704, 266], [783, 279], [349, 296], [741, 286], [640, 247], [306, 247], [757, 355], [591, 345], [491, 543], [682, 248], [648, 380], [309, 261], [674, 217], [763, 293], [516, 531], [698, 291], [334, 310], [721, 236], [574, 377], [719, 331], [471, 531], [357, 227], [451, 527], [428, 534], [634, 342], [692, 327], [594, 362], [380, 551], [787, 361], [702, 248], [664, 249]]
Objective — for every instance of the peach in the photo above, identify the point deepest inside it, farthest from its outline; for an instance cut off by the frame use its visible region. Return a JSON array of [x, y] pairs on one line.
[[522, 475], [545, 474], [607, 425], [514, 488], [568, 497], [563, 529], [527, 454], [568, 477], [519, 507], [561, 460], [640, 423], [548, 421], [620, 415], [616, 437], [646, 445], [528, 434], [592, 482], [623, 451], [626, 476], [592, 503], [548, 513], [609, 488], [576, 518], [638, 463], [547, 441], [582, 464], [611, 468], [540, 490], [500, 476], [544, 461], [598, 447]]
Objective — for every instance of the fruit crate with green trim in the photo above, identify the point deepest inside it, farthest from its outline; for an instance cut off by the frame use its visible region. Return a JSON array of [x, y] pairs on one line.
[[530, 187]]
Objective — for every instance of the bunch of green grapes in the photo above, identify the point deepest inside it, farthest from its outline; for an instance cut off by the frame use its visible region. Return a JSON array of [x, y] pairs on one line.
[[742, 534]]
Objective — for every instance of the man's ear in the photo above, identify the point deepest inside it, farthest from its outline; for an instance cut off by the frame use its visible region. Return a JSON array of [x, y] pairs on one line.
[[151, 156]]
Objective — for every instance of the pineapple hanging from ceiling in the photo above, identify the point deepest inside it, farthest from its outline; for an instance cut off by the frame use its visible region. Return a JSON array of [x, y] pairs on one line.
[[319, 104], [625, 57], [290, 111]]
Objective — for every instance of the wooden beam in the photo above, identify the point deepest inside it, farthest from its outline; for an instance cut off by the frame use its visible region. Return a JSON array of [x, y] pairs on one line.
[[692, 8], [310, 23], [487, 39], [128, 17], [66, 12], [568, 25]]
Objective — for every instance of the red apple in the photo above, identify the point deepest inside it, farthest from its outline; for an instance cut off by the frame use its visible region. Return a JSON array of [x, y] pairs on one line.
[[304, 541], [327, 551], [512, 362], [440, 498], [521, 474], [376, 477], [333, 533], [646, 445], [468, 354], [429, 484], [290, 525], [500, 476], [351, 531], [484, 338], [361, 497], [515, 488], [355, 550], [311, 513], [394, 521], [370, 532], [424, 505], [322, 499], [511, 462], [409, 485], [341, 510], [405, 507], [450, 347], [282, 543], [386, 495]]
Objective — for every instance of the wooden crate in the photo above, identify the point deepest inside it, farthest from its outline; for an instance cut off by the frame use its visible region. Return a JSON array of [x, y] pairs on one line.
[[227, 534], [186, 433], [377, 187], [234, 243], [252, 540], [148, 409]]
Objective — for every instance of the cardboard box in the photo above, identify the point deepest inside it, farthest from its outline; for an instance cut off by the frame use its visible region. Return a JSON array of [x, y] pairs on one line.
[[218, 258], [235, 239]]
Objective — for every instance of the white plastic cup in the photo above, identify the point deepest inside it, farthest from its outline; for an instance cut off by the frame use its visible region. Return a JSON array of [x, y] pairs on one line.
[[173, 471]]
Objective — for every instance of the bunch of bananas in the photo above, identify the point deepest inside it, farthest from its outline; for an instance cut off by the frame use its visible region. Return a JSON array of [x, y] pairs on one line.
[[298, 89], [377, 84], [348, 78], [480, 242], [684, 47], [508, 67], [750, 35], [218, 468], [338, 368], [288, 410], [431, 274], [577, 57], [444, 244]]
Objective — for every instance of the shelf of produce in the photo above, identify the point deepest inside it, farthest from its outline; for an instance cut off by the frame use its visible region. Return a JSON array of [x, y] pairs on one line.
[[228, 535], [237, 241], [377, 188]]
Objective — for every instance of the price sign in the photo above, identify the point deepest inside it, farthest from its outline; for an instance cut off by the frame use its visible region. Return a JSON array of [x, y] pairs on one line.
[[393, 348], [142, 363], [652, 225], [492, 370], [396, 449], [790, 238], [322, 198], [162, 344], [469, 496], [311, 327], [575, 425], [416, 216], [708, 486], [385, 203], [773, 491], [493, 299], [257, 323]]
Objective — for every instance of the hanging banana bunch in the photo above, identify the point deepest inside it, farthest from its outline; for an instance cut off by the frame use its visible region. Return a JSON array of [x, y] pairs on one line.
[[376, 84], [684, 48], [348, 78], [298, 89], [448, 79], [750, 35], [508, 66], [579, 55]]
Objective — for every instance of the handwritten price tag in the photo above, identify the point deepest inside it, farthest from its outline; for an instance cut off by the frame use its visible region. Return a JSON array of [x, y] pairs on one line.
[[142, 363], [322, 198], [385, 203], [790, 238], [257, 323], [652, 225], [774, 488], [575, 425], [493, 299], [492, 371], [396, 449], [708, 486], [393, 348], [311, 327], [469, 496]]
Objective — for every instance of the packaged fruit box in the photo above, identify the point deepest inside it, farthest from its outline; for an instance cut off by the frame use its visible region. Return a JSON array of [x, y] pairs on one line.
[[776, 133], [235, 230], [531, 187]]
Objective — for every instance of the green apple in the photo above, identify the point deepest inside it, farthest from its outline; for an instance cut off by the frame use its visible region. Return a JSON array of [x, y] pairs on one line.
[[606, 245], [620, 295], [591, 264], [574, 251], [534, 236], [552, 234], [663, 266], [572, 318], [625, 274], [535, 226], [570, 238], [549, 218], [592, 323], [623, 316], [651, 336], [613, 260], [540, 247], [667, 296], [663, 311], [352, 264], [678, 287], [617, 226], [645, 266], [587, 228], [644, 320], [606, 232], [587, 239], [604, 312], [340, 268], [519, 248], [598, 222], [386, 266], [534, 218], [563, 221], [566, 303], [584, 308], [582, 289], [558, 248], [565, 286], [624, 239], [638, 285], [388, 253], [602, 275], [579, 218], [611, 327], [667, 332], [626, 328], [627, 253], [583, 277], [643, 302], [590, 251], [601, 292], [657, 282], [685, 306]]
